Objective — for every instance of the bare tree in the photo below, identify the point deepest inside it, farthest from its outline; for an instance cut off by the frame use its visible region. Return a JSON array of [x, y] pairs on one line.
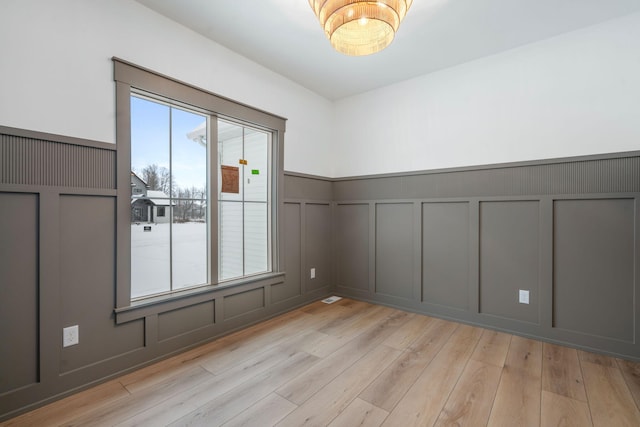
[[190, 204], [159, 178], [167, 183]]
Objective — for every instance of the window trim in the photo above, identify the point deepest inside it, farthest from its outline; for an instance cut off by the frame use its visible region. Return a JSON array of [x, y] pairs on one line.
[[130, 78]]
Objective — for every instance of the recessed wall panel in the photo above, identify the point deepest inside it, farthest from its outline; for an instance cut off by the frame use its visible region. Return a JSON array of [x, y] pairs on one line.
[[291, 285], [87, 283], [18, 290], [394, 249], [509, 259], [594, 267], [187, 319], [298, 187], [352, 246], [243, 303], [318, 245], [445, 254]]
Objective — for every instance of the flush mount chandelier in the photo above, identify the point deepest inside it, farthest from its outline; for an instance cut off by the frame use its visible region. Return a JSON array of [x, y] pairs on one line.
[[357, 27]]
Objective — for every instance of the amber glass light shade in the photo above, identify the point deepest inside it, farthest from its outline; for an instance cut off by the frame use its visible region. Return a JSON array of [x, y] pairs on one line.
[[357, 27]]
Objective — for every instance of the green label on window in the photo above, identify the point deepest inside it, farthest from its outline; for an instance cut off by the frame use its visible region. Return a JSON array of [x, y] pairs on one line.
[[255, 172]]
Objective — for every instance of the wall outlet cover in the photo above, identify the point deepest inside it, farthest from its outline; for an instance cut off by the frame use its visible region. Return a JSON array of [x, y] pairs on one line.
[[70, 336], [312, 274], [524, 296]]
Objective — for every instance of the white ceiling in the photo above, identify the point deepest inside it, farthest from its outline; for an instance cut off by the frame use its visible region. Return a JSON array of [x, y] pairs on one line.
[[285, 36]]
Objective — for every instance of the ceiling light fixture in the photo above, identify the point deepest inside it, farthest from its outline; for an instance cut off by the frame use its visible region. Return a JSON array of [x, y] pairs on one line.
[[358, 27]]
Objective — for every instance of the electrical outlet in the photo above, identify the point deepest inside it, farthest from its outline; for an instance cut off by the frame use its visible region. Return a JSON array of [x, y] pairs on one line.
[[312, 275], [70, 336], [524, 296]]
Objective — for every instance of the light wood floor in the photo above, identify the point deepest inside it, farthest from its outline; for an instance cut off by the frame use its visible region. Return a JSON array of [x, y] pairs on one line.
[[353, 363]]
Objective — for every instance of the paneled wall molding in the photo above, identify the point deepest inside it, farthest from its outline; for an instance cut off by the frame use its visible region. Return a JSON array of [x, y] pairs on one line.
[[457, 244], [507, 165], [41, 159], [596, 174], [564, 231], [146, 307]]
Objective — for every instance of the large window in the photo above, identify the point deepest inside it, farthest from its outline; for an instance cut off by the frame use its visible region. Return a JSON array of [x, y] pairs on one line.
[[199, 187], [171, 247]]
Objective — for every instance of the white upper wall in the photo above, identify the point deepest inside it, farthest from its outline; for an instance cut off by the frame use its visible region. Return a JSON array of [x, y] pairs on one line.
[[56, 73], [575, 94]]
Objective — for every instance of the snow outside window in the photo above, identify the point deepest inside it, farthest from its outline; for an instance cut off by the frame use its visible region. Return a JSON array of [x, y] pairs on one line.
[[169, 221]]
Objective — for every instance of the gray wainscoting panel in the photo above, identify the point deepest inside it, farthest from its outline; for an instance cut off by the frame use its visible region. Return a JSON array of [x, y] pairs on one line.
[[87, 283], [579, 176], [57, 258], [566, 230], [18, 291], [187, 319], [394, 249], [243, 303], [594, 267], [445, 254], [307, 188], [291, 286], [373, 188], [318, 245], [509, 258], [352, 246], [31, 161]]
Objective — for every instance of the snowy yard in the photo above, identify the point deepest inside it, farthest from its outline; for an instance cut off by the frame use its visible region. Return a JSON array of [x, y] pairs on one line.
[[150, 257]]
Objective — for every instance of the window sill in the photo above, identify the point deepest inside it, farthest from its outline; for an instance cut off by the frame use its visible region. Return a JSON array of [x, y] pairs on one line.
[[184, 298]]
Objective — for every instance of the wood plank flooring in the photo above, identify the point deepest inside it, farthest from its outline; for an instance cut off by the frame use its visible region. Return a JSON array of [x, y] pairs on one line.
[[356, 364]]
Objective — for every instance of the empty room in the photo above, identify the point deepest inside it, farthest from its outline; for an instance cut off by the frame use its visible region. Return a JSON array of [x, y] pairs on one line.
[[320, 212]]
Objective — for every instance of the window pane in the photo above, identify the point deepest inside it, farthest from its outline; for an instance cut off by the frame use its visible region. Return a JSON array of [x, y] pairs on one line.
[[244, 225], [169, 198], [188, 150], [256, 174], [230, 152], [150, 234], [230, 236], [189, 187], [256, 242], [150, 144]]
